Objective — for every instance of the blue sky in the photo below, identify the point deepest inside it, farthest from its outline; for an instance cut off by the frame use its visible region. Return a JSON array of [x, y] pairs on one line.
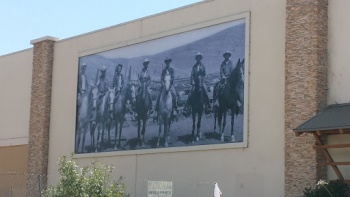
[[25, 20]]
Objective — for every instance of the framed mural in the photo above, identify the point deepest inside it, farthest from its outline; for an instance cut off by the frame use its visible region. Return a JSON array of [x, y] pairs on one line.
[[184, 90]]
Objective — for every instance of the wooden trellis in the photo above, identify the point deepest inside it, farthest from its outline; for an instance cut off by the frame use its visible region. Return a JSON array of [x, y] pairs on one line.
[[324, 147]]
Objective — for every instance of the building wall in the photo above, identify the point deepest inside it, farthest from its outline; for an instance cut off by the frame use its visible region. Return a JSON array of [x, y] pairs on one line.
[[14, 158], [339, 73], [15, 80], [15, 77], [13, 168], [257, 170]]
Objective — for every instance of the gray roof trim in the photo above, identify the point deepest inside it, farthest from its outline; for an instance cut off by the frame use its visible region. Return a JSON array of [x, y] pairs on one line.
[[333, 117]]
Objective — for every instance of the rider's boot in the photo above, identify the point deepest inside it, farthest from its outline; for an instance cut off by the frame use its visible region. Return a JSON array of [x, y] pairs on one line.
[[157, 103], [185, 109], [206, 99], [208, 107], [175, 112], [150, 107], [187, 104], [215, 102]]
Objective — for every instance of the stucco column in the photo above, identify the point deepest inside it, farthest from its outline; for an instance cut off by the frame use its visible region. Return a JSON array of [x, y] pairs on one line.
[[305, 90], [38, 143]]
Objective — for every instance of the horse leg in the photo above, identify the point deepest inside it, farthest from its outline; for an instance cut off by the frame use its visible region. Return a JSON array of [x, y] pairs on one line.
[[223, 126], [92, 135], [98, 125], [220, 123], [169, 123], [193, 125], [199, 134], [159, 131], [103, 130], [109, 125], [120, 130], [78, 140], [115, 134], [166, 131], [215, 117], [138, 131], [143, 131], [232, 124]]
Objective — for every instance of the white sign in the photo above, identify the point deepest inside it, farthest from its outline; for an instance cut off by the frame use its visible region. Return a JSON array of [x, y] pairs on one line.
[[160, 189]]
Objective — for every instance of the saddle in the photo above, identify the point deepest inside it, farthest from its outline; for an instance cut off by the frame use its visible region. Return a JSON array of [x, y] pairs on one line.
[[221, 85]]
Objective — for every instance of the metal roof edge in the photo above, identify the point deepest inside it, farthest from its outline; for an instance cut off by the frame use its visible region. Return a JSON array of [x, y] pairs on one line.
[[316, 115]]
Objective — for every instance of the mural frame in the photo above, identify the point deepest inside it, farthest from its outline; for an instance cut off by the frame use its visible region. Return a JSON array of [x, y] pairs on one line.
[[242, 144]]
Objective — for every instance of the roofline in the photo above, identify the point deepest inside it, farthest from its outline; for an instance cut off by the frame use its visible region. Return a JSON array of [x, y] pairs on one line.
[[136, 20]]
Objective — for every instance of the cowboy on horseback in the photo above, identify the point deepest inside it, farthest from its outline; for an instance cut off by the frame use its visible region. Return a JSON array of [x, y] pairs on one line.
[[118, 79], [198, 70], [83, 84], [102, 84], [168, 71], [144, 81], [226, 68]]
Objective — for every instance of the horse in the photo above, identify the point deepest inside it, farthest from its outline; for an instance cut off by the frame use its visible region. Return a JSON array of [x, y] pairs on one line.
[[165, 110], [197, 106], [119, 109], [240, 90], [86, 105], [142, 107], [99, 117], [230, 97], [110, 102]]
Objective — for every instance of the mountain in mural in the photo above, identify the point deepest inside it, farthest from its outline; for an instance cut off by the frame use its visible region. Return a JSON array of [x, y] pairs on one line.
[[212, 48]]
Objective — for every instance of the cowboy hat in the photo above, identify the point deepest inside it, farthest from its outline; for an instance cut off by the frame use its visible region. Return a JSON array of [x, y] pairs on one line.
[[83, 65], [103, 69], [227, 53], [146, 61], [167, 60], [199, 55]]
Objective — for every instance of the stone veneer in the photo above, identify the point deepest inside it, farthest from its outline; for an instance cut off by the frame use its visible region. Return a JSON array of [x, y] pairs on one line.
[[38, 143], [305, 90]]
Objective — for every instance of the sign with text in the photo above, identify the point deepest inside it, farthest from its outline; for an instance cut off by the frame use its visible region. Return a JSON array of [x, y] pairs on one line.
[[160, 189]]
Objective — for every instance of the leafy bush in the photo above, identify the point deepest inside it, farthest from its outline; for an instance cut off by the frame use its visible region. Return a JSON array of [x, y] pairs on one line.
[[93, 180], [335, 189]]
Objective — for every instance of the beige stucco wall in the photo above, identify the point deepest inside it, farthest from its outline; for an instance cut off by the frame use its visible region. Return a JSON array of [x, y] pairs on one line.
[[254, 171], [15, 80], [339, 73], [13, 169]]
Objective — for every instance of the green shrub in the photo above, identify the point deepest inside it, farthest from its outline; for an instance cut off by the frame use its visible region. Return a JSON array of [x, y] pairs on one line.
[[336, 189], [93, 180]]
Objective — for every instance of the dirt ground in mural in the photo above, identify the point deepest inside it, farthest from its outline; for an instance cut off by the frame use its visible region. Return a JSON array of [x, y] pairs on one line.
[[180, 134]]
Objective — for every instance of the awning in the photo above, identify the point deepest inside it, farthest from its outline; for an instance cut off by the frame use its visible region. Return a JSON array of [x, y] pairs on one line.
[[334, 120]]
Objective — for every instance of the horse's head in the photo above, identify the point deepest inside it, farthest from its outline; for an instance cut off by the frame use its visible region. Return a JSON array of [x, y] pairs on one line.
[[94, 96], [167, 82], [111, 98], [131, 92], [237, 74], [241, 69]]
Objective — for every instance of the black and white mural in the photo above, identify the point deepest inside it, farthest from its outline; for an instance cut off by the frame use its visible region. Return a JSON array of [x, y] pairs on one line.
[[181, 90]]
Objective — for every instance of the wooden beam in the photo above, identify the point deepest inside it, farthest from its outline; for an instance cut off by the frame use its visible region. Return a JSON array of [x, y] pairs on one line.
[[328, 156], [318, 133], [332, 146], [337, 163], [346, 181]]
